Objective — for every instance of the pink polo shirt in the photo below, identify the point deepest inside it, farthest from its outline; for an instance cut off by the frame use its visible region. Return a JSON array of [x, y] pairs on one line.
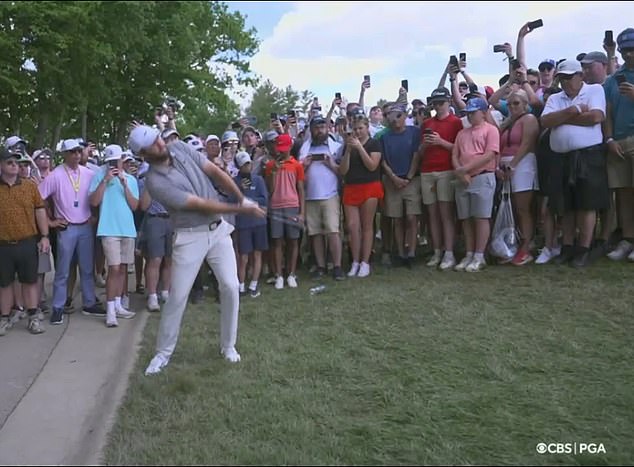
[[70, 205]]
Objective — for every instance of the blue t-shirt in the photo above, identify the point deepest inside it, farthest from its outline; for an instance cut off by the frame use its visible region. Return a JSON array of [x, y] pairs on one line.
[[255, 190], [622, 107], [115, 215], [399, 149]]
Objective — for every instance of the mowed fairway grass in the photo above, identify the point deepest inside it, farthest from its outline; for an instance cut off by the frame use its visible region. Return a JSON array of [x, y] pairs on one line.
[[404, 367]]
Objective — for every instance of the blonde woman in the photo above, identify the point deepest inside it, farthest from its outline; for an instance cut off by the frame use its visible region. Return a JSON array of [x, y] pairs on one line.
[[518, 138], [361, 193]]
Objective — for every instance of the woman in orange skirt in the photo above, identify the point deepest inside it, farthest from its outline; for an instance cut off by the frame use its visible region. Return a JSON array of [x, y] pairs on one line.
[[361, 192]]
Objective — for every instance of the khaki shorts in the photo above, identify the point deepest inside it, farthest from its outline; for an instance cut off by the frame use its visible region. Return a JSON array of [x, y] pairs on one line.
[[436, 186], [408, 196], [322, 216], [621, 171], [476, 199], [118, 250]]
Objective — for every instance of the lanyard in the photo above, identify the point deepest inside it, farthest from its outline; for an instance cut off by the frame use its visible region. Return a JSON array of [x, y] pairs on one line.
[[75, 183]]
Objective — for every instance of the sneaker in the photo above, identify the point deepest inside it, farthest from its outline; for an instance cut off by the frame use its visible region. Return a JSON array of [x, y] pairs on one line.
[[57, 317], [631, 257], [622, 250], [100, 281], [354, 269], [566, 255], [291, 280], [140, 289], [125, 302], [476, 265], [153, 304], [111, 319], [581, 260], [522, 258], [125, 314], [338, 274], [448, 262], [5, 325], [156, 365], [279, 282], [255, 293], [68, 306], [422, 240], [364, 270], [546, 255], [17, 313], [165, 295], [435, 260], [318, 273], [95, 310], [230, 354], [35, 326], [462, 265], [196, 297], [44, 307], [271, 280]]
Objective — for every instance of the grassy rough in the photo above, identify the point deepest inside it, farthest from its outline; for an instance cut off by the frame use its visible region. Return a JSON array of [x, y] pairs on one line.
[[404, 367]]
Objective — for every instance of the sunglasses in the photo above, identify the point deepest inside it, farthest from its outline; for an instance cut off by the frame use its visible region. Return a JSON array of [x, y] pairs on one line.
[[44, 158], [546, 68], [533, 83], [514, 103]]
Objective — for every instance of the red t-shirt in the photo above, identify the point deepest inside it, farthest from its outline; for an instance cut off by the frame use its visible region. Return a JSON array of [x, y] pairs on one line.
[[286, 178], [437, 158]]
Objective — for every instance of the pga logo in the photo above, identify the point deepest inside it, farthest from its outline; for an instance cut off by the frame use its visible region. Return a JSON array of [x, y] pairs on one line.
[[571, 448]]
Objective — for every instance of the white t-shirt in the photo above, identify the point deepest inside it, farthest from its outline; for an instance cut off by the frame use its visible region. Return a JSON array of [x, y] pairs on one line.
[[566, 138], [321, 182]]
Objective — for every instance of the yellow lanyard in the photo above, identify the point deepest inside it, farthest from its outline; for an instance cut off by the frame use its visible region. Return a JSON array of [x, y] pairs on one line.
[[73, 182]]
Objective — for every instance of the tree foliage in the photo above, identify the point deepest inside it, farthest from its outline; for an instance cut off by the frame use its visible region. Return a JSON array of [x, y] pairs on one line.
[[89, 68], [269, 99]]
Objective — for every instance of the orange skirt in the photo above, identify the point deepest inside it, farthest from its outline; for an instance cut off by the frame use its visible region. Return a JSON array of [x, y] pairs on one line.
[[357, 194]]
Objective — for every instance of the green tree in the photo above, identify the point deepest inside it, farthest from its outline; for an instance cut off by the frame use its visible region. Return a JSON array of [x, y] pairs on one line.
[[88, 68]]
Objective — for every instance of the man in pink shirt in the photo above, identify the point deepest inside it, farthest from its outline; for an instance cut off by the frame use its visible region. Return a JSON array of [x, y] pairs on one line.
[[68, 186], [474, 158]]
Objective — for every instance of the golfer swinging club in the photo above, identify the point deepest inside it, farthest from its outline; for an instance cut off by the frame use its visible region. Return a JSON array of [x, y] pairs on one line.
[[179, 178]]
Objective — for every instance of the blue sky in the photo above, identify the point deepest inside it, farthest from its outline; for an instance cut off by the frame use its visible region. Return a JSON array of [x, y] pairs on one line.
[[328, 46]]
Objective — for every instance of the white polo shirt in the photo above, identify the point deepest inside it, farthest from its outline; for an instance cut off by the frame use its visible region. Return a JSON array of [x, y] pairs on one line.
[[566, 138]]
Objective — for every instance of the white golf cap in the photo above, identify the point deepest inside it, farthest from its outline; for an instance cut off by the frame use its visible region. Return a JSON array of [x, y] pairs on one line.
[[142, 137], [113, 152]]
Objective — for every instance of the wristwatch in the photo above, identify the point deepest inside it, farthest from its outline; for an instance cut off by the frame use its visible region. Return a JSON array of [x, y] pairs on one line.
[[609, 140]]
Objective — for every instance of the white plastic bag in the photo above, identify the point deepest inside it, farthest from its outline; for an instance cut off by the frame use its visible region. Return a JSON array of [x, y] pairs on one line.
[[504, 239]]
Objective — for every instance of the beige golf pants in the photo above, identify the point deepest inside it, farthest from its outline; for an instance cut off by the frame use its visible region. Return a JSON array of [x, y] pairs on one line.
[[191, 248]]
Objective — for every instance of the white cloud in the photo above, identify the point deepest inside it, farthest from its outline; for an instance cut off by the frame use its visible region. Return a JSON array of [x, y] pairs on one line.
[[328, 47]]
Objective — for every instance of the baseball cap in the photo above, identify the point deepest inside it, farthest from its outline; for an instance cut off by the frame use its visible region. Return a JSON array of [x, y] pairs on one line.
[[476, 91], [317, 120], [189, 137], [12, 141], [546, 63], [127, 156], [568, 67], [271, 136], [229, 136], [417, 101], [69, 145], [211, 138], [592, 57], [440, 94], [284, 143], [625, 39], [169, 132], [112, 152], [42, 152], [242, 158], [395, 108], [475, 104], [142, 137], [6, 154]]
